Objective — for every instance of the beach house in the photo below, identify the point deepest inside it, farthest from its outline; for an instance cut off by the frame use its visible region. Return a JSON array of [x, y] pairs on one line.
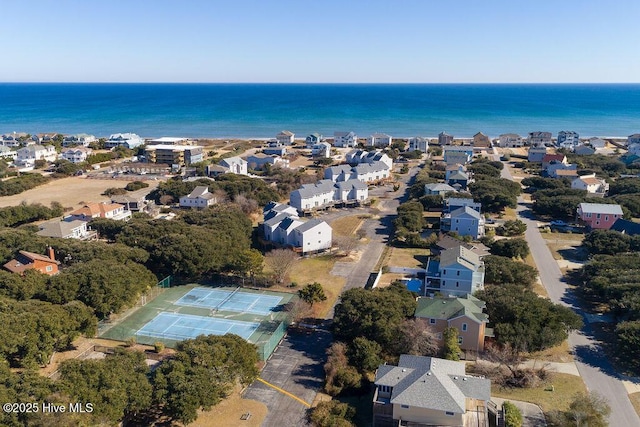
[[568, 140], [283, 226], [510, 140], [419, 143], [312, 236], [285, 137], [67, 229], [345, 139], [200, 197], [438, 188], [127, 140], [27, 156], [481, 141], [356, 157], [80, 139], [114, 211], [444, 139], [457, 154], [591, 184], [450, 204], [321, 150], [45, 264], [465, 313], [76, 155], [325, 193], [313, 139], [427, 391], [379, 140], [457, 177], [598, 216], [539, 139], [597, 143], [465, 221], [259, 161], [459, 272], [275, 148], [169, 154]]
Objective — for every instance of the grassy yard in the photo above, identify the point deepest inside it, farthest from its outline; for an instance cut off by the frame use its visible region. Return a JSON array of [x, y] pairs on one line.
[[560, 353], [408, 257], [228, 412], [346, 225], [565, 387], [318, 269]]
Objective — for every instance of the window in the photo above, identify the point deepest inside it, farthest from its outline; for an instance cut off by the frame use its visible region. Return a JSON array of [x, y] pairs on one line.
[[49, 268], [451, 414], [458, 273], [459, 340], [597, 215], [457, 284], [606, 217], [432, 321], [464, 327], [405, 406]]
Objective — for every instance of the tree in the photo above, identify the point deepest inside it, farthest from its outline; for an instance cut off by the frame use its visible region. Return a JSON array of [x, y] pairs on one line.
[[495, 194], [451, 350], [136, 185], [586, 410], [332, 413], [610, 242], [512, 415], [510, 248], [364, 354], [511, 228], [346, 243], [312, 293], [339, 374], [280, 261], [415, 337], [628, 343], [499, 270]]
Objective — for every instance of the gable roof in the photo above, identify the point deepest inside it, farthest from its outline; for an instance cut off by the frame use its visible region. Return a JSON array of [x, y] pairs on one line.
[[625, 226], [308, 225], [460, 255], [431, 383], [451, 308], [91, 209], [551, 157], [201, 191], [600, 208], [465, 210], [440, 186], [59, 228]]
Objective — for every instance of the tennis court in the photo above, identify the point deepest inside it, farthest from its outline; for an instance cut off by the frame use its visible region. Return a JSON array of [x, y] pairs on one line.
[[185, 326], [224, 300]]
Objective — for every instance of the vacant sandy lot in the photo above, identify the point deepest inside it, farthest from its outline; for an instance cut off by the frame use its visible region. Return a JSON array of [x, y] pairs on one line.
[[68, 191]]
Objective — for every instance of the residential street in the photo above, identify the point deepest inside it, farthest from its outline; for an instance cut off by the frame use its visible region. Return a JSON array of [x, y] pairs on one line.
[[594, 368]]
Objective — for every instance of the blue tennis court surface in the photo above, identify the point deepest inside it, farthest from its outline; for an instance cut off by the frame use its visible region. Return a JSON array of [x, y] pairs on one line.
[[185, 326], [223, 300]]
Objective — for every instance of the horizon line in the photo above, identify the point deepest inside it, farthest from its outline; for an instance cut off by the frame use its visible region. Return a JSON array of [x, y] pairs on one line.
[[320, 83]]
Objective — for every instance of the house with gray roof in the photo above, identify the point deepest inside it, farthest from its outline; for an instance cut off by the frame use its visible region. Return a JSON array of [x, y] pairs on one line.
[[438, 188], [465, 221], [235, 165], [200, 197], [427, 391], [312, 236], [285, 137], [73, 229], [453, 203], [457, 154], [321, 150], [356, 157], [285, 228], [379, 140], [458, 272], [351, 190], [598, 215], [313, 139], [345, 139], [465, 313], [326, 193], [259, 160]]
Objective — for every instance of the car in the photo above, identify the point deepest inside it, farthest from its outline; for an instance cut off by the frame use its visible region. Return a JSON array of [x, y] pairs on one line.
[[558, 223]]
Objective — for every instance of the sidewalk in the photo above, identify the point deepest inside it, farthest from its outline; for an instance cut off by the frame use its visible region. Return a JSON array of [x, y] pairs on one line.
[[532, 415]]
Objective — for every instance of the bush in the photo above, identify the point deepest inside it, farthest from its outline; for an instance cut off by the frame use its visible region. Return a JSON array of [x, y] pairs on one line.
[[136, 185], [158, 346], [332, 414], [512, 415], [511, 228]]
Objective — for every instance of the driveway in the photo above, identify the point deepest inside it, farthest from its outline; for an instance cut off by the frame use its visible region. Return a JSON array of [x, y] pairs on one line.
[[594, 368]]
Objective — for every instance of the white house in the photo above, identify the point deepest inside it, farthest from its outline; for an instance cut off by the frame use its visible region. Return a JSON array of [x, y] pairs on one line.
[[457, 154], [321, 149], [510, 140], [356, 157], [371, 172], [285, 137], [325, 193], [271, 222], [127, 140], [81, 139], [76, 155], [351, 190], [7, 153], [200, 197], [568, 140], [591, 184], [312, 236], [418, 143], [235, 165], [379, 140], [597, 143], [11, 139], [27, 156], [283, 233], [539, 139], [259, 160], [114, 211], [313, 139], [345, 139]]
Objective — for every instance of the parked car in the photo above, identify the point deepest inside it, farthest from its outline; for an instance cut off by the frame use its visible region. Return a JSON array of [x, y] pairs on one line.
[[558, 223]]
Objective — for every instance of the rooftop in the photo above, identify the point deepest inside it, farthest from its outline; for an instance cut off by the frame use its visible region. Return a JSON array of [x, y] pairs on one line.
[[450, 308], [600, 208]]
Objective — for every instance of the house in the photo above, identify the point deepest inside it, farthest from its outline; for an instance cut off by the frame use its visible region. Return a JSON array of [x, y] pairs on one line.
[[313, 139], [282, 234], [235, 165], [418, 143], [134, 201], [30, 261], [458, 178], [447, 242], [444, 139], [73, 229], [553, 158], [91, 211], [312, 236], [355, 157], [427, 391], [536, 154], [465, 221], [568, 140], [339, 173], [591, 184], [272, 209], [200, 197], [127, 140], [459, 271], [12, 139], [321, 149], [584, 150], [539, 139], [440, 189], [7, 153], [597, 143], [170, 154], [598, 215], [76, 155], [80, 139], [633, 139], [379, 140], [27, 156], [259, 161], [627, 227], [374, 172], [325, 193], [457, 154], [168, 140], [481, 141], [510, 140], [345, 139], [465, 313], [452, 203], [285, 137], [561, 170], [272, 221], [634, 149], [275, 148]]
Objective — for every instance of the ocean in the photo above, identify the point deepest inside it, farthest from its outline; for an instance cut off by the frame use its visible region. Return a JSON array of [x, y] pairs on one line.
[[262, 110]]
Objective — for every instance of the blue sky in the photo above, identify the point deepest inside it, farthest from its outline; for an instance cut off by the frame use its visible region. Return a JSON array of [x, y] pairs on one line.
[[430, 41]]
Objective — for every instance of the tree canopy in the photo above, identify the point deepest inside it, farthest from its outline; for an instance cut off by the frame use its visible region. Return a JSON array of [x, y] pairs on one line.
[[495, 194]]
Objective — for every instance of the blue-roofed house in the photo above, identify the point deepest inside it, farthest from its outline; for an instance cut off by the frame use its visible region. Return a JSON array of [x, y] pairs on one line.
[[459, 271], [427, 391], [465, 221]]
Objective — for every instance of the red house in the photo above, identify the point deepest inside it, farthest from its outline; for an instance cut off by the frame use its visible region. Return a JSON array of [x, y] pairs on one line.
[[28, 260], [598, 215]]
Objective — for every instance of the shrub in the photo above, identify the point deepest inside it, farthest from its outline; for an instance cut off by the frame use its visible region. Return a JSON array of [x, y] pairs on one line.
[[136, 185], [512, 415]]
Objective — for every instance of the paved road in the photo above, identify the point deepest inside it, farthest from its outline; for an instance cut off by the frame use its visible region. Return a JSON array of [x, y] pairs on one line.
[[594, 368]]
